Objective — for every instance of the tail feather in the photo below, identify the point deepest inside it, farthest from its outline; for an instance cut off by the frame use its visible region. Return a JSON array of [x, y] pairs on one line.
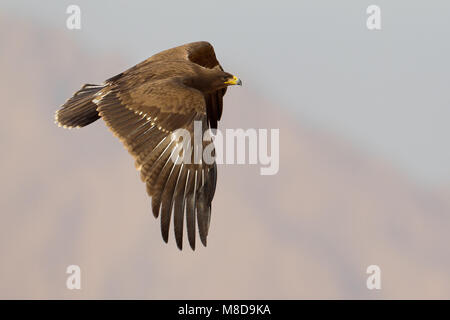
[[79, 110]]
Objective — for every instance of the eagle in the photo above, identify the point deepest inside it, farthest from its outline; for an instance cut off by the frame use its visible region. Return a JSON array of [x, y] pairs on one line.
[[144, 107]]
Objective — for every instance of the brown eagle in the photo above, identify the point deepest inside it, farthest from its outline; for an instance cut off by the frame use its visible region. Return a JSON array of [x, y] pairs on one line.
[[143, 106]]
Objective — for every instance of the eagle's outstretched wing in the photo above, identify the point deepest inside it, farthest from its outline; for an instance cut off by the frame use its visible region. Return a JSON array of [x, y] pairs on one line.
[[146, 119]]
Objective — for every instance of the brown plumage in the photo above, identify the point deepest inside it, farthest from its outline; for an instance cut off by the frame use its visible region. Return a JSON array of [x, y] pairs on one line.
[[143, 106]]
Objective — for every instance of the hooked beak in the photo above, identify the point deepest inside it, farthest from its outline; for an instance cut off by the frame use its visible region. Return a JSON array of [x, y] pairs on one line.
[[234, 81]]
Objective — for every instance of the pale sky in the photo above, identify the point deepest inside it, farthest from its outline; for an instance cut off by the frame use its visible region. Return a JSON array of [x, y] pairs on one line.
[[310, 231], [385, 91]]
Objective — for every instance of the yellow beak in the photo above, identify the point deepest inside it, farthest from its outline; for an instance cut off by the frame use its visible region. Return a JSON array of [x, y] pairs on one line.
[[234, 81]]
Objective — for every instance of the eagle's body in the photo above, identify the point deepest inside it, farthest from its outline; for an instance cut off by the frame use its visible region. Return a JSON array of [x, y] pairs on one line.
[[143, 106]]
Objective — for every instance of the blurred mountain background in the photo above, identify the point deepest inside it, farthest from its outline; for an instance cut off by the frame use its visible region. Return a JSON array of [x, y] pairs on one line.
[[74, 197]]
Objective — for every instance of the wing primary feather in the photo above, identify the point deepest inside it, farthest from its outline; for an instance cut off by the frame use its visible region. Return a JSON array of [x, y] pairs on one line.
[[190, 206], [159, 176], [156, 179], [167, 199], [178, 206], [203, 209]]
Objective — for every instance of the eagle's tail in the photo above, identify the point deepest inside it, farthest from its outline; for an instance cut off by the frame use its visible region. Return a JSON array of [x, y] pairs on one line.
[[79, 110]]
